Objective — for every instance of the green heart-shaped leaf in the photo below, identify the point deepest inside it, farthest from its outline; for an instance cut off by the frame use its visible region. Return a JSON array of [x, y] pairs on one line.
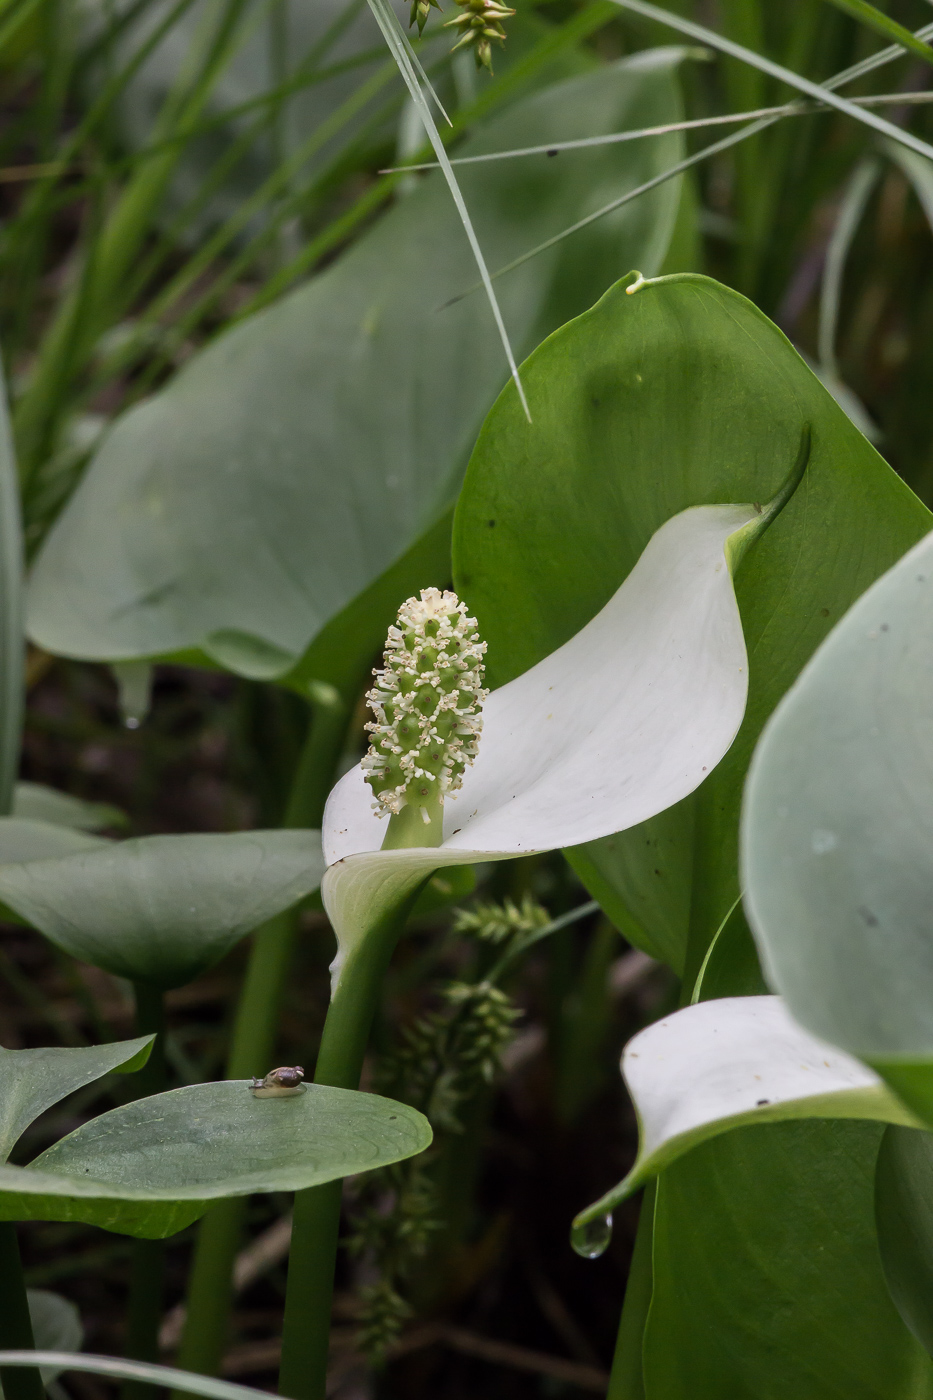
[[679, 394], [24, 839], [32, 1080], [160, 909], [294, 461], [767, 1282], [152, 1166], [38, 803]]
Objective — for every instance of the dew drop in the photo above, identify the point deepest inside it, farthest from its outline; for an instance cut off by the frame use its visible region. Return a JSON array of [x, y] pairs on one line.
[[134, 685], [592, 1240]]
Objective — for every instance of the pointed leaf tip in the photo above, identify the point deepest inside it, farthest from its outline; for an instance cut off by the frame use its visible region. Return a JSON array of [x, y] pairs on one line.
[[738, 545]]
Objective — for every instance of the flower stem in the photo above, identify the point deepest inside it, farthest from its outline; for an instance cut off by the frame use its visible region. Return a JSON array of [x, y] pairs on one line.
[[15, 1322], [626, 1381], [210, 1289], [306, 1332], [147, 1260]]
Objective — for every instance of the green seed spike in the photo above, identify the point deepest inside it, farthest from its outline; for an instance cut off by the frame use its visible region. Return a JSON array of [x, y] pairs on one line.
[[420, 9], [480, 21], [426, 703]]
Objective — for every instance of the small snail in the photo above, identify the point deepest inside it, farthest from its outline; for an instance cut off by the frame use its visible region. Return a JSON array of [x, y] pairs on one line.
[[279, 1083]]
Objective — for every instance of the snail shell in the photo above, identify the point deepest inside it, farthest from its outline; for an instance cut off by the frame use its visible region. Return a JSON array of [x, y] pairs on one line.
[[281, 1083]]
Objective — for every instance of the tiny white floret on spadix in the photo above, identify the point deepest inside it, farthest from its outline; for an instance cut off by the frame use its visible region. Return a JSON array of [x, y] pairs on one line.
[[619, 723]]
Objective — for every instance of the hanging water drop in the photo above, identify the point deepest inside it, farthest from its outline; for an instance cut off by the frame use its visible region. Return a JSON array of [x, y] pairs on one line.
[[134, 684], [592, 1239]]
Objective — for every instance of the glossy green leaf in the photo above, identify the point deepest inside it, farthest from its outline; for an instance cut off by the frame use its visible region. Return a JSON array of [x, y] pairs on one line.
[[36, 802], [767, 1279], [838, 834], [33, 1080], [767, 1282], [678, 394], [642, 878], [904, 1216], [731, 967], [292, 462], [160, 909], [153, 1166]]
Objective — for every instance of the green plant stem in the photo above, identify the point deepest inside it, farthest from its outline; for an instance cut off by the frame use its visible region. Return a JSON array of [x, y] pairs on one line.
[[210, 1289], [12, 649], [626, 1381], [147, 1259], [306, 1330], [15, 1323]]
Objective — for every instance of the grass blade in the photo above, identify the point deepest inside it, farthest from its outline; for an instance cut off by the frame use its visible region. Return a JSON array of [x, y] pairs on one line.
[[786, 109], [889, 28], [920, 175], [846, 75], [751, 130], [11, 612], [395, 38], [858, 192], [822, 93], [135, 1371]]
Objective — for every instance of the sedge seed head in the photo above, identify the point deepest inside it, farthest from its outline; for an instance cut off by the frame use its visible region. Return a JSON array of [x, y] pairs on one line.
[[426, 703]]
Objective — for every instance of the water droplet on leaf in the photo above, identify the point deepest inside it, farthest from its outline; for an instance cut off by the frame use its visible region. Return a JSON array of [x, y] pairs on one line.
[[592, 1239]]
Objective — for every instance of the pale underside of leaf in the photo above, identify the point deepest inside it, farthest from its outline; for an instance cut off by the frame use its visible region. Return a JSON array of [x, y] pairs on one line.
[[34, 1080], [36, 802], [729, 1063], [56, 1326], [25, 839], [156, 908], [837, 823], [281, 445]]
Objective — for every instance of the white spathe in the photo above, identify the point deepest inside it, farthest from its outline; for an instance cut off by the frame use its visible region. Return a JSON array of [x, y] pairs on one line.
[[726, 1063], [621, 722]]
